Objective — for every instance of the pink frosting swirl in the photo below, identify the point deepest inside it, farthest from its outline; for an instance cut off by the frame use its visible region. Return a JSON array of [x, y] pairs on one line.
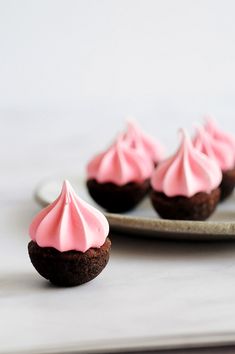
[[216, 149], [120, 164], [139, 139], [225, 142], [69, 223], [186, 173]]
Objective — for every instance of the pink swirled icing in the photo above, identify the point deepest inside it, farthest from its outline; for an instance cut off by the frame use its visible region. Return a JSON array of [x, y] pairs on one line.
[[186, 173], [139, 139], [120, 164], [216, 149], [69, 223], [223, 139]]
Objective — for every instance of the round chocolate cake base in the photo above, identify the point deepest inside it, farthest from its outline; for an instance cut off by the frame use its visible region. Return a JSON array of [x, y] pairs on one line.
[[69, 268], [228, 183], [116, 198], [198, 207]]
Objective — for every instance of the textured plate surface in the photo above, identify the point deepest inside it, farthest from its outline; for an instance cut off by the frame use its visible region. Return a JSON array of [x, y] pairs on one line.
[[144, 221]]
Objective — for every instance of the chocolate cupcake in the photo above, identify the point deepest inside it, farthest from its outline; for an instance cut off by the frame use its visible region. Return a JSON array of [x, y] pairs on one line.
[[227, 184], [219, 146], [118, 179], [186, 185], [70, 244]]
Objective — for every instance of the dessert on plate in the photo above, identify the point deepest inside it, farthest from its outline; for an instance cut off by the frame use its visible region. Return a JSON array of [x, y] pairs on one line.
[[186, 185], [137, 138], [70, 244], [118, 178], [223, 150]]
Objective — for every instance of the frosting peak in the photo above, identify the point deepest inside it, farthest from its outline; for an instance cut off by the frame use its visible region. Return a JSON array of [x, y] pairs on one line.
[[224, 139], [217, 149], [187, 172], [69, 223], [120, 164], [139, 139]]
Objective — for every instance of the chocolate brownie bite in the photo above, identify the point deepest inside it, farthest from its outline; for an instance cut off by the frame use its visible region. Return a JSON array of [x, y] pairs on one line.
[[70, 244], [185, 186], [69, 268], [118, 179], [228, 183], [199, 207], [117, 199]]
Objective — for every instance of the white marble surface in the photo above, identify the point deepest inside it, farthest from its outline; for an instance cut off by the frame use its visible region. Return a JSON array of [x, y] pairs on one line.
[[149, 289], [69, 73]]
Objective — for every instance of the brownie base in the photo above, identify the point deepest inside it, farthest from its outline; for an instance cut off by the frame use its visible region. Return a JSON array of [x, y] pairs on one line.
[[228, 183], [116, 198], [69, 268], [198, 207]]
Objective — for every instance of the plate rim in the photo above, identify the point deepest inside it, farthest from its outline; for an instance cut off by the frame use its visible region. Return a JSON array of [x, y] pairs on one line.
[[157, 226], [207, 340]]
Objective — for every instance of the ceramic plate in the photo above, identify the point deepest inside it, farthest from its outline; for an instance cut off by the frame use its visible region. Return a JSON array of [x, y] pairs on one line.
[[144, 221]]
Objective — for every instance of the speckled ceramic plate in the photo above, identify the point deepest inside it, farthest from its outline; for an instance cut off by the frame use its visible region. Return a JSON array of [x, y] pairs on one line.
[[144, 221]]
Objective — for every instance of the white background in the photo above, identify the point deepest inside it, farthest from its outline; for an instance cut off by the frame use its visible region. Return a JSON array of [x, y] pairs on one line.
[[147, 56], [70, 72]]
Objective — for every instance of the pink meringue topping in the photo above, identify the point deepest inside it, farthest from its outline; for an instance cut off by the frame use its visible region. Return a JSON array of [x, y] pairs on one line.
[[69, 223], [120, 164], [216, 149], [139, 139], [187, 172], [223, 138]]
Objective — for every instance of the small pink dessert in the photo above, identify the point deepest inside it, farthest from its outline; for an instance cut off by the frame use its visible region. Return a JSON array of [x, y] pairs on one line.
[[216, 150], [221, 146], [218, 134], [118, 178], [185, 186], [138, 139], [70, 243]]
